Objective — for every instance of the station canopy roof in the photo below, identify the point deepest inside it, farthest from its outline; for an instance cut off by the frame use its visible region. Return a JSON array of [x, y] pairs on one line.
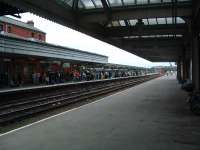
[[153, 29], [95, 4]]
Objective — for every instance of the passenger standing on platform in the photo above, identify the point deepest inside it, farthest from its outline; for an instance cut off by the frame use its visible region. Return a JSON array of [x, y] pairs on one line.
[[57, 77], [110, 74], [77, 75], [106, 75], [50, 77], [41, 78], [34, 77], [71, 76], [102, 75], [38, 78], [83, 76], [19, 79], [44, 77], [74, 75], [99, 76], [47, 79], [87, 75], [96, 75], [12, 84], [93, 75], [80, 75]]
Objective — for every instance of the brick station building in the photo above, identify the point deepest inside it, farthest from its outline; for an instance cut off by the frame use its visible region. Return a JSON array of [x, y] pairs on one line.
[[21, 29]]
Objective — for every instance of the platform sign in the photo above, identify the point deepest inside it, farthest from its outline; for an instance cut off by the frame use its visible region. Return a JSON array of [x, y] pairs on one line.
[[66, 65]]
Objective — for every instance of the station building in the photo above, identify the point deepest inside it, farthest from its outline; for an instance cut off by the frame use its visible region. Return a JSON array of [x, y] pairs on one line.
[[24, 54], [17, 28]]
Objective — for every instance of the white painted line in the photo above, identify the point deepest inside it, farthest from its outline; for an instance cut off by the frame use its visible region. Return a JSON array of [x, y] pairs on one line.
[[9, 132]]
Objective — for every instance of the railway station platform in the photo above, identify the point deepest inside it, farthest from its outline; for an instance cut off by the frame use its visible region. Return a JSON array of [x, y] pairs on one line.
[[150, 116]]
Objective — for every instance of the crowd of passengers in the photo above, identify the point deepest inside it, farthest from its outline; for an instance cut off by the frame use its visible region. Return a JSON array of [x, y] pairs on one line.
[[60, 77], [46, 78]]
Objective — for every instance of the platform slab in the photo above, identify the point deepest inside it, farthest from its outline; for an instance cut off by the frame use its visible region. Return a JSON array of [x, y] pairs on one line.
[[150, 116]]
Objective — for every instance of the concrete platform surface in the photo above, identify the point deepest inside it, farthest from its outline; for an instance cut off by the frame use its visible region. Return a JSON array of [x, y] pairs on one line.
[[150, 116]]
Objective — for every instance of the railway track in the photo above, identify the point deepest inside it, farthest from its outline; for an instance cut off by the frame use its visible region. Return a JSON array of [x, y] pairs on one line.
[[25, 107]]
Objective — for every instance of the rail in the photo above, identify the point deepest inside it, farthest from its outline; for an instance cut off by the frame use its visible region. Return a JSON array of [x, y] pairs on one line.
[[20, 107]]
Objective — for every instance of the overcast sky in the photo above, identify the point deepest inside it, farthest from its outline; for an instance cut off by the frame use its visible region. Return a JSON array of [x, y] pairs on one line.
[[60, 35]]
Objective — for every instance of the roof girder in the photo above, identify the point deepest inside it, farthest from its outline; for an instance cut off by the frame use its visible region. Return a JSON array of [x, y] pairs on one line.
[[127, 13], [152, 42], [157, 53], [123, 31]]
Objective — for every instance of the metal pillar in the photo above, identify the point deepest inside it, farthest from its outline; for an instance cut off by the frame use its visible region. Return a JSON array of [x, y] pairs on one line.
[[190, 73], [196, 65], [179, 71], [182, 71], [186, 70], [195, 98], [185, 65]]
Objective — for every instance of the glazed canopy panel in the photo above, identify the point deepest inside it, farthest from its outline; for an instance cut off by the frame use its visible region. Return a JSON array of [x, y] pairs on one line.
[[122, 23]]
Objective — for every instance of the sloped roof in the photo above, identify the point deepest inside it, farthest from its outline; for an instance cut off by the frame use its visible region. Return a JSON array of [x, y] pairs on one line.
[[19, 23]]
